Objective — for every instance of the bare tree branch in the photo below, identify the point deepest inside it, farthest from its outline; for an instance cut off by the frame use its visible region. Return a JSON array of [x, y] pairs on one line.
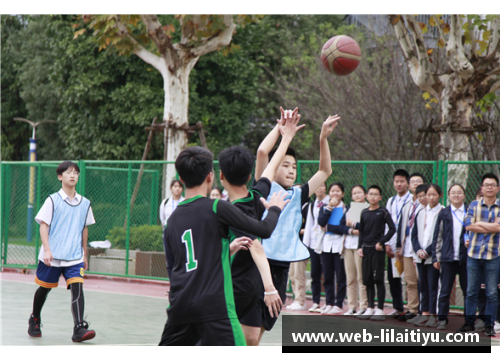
[[455, 53], [162, 41], [221, 40], [494, 45], [140, 51]]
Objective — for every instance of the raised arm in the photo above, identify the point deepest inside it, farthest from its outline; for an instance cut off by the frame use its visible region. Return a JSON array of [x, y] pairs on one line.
[[288, 131], [234, 217], [266, 146], [325, 159]]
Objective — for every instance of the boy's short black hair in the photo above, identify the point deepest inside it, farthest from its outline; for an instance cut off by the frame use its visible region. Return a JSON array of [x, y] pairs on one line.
[[193, 165], [421, 188], [417, 174], [376, 187], [402, 172], [290, 152], [236, 164], [489, 175], [66, 165]]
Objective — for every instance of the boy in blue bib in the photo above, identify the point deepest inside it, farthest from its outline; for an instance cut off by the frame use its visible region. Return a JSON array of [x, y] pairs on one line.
[[63, 220], [284, 245]]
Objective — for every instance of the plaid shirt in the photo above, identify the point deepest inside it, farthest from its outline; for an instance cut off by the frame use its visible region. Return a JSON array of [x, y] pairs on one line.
[[483, 246]]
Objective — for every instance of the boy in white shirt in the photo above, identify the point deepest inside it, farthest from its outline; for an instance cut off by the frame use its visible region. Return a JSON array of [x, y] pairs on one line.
[[63, 220]]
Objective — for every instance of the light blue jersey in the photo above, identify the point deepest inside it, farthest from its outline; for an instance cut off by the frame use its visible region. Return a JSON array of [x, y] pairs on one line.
[[284, 244], [66, 228]]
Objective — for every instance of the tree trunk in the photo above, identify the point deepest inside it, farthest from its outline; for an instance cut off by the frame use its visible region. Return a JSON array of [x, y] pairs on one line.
[[456, 110], [176, 87]]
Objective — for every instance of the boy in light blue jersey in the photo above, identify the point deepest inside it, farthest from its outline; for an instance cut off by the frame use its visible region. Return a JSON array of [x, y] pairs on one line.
[[63, 220]]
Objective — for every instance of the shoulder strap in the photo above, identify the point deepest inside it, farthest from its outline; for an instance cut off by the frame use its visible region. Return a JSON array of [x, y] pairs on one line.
[[166, 200]]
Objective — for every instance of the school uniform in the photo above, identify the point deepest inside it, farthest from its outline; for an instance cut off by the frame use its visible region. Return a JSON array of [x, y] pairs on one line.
[[312, 235], [333, 264], [352, 263], [395, 206], [167, 207], [421, 238], [404, 246], [448, 248]]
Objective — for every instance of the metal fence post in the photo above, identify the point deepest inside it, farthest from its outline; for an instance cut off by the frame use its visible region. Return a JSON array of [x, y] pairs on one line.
[[129, 196], [154, 197], [299, 172], [38, 196], [445, 185], [6, 183], [2, 211], [364, 175], [81, 183]]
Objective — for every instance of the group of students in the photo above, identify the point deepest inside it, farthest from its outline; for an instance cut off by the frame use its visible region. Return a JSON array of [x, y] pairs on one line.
[[227, 260], [426, 244]]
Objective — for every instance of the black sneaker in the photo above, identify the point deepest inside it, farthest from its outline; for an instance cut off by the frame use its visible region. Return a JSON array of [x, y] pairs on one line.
[[406, 316], [466, 328], [34, 327], [82, 333], [489, 331]]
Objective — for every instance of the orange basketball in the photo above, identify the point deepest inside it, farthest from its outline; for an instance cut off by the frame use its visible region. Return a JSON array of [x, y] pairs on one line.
[[341, 55]]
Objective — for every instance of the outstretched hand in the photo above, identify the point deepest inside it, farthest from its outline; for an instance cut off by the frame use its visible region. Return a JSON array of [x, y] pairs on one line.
[[288, 123], [278, 199], [329, 125]]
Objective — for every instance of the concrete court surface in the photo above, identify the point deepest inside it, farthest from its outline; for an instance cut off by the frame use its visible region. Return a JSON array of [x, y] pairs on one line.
[[121, 313]]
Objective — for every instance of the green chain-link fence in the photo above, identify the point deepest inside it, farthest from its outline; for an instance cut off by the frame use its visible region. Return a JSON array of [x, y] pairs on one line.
[[135, 231]]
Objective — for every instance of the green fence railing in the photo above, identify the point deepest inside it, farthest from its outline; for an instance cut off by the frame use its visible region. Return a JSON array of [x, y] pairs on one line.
[[135, 231]]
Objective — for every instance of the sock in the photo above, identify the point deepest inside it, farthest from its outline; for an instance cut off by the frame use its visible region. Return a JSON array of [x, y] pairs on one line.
[[40, 297], [77, 302]]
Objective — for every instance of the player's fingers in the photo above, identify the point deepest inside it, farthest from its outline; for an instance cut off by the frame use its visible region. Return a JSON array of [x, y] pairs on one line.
[[271, 310], [300, 127]]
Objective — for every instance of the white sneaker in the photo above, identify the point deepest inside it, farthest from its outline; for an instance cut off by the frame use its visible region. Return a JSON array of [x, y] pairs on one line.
[[360, 312], [378, 315], [497, 326], [367, 315], [315, 308], [394, 313], [291, 306], [297, 306], [327, 309], [336, 311], [349, 312]]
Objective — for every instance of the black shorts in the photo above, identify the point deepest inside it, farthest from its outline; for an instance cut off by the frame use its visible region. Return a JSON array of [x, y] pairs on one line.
[[245, 303], [221, 332], [259, 315], [373, 266]]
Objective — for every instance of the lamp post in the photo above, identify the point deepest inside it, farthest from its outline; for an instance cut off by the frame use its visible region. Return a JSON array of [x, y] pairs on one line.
[[32, 175]]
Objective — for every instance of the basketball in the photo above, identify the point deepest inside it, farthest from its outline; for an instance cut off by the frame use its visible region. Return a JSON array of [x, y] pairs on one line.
[[341, 55]]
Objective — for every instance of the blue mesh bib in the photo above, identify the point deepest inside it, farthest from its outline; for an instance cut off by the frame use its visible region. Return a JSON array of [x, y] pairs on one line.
[[66, 228], [284, 244]]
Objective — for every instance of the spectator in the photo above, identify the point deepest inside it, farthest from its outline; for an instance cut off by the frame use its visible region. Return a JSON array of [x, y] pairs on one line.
[[483, 254], [167, 207], [216, 193]]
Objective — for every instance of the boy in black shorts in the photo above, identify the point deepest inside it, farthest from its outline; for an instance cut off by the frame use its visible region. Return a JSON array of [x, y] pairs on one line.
[[202, 307], [284, 246], [63, 219], [371, 248], [236, 164]]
